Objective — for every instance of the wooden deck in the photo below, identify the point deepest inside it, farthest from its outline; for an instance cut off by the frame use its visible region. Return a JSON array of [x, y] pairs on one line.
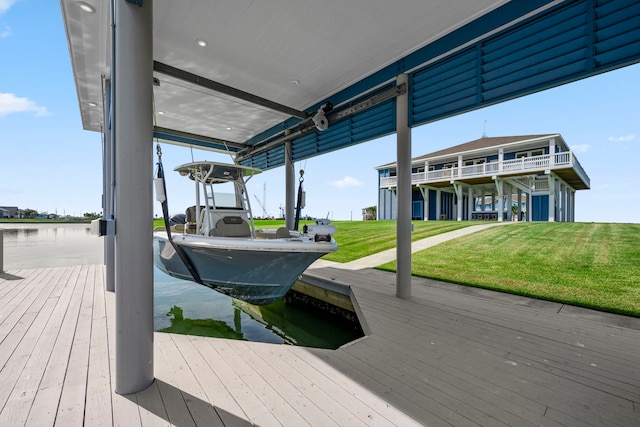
[[448, 356]]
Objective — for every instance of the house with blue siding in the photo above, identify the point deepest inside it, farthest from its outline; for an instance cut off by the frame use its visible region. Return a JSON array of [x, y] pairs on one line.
[[528, 178]]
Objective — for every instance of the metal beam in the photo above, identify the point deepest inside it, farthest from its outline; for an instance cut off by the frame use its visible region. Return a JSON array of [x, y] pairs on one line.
[[186, 76], [194, 139], [332, 117]]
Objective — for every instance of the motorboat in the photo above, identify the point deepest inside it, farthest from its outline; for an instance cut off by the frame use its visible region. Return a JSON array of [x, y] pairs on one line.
[[220, 247]]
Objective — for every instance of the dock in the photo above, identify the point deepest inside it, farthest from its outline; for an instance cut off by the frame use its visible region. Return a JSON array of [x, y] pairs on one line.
[[450, 355]]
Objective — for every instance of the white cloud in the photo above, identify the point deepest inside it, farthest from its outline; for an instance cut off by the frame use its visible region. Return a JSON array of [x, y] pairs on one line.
[[580, 148], [625, 138], [347, 181], [5, 32], [6, 4], [9, 103]]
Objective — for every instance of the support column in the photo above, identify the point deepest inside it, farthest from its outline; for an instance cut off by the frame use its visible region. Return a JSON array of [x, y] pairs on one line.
[[509, 201], [425, 206], [519, 204], [552, 198], [133, 197], [573, 206], [438, 204], [403, 226], [108, 188], [529, 206], [290, 188], [500, 208], [459, 192], [470, 203]]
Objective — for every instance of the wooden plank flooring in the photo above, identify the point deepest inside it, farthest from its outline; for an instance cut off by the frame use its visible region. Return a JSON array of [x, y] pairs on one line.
[[450, 355]]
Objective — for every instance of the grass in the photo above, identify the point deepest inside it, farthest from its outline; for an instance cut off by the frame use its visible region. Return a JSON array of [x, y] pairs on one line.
[[357, 239], [589, 265]]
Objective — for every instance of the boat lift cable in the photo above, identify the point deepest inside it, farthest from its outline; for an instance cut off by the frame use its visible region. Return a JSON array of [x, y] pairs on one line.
[[165, 214], [299, 203]]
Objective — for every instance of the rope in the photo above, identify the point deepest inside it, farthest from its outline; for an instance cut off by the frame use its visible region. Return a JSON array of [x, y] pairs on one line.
[[299, 203], [165, 214]]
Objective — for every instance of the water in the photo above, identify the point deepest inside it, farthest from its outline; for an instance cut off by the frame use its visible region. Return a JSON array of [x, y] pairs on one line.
[[179, 306], [30, 245]]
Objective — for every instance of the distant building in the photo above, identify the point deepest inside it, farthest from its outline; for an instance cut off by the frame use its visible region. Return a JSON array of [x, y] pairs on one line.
[[10, 212], [483, 179]]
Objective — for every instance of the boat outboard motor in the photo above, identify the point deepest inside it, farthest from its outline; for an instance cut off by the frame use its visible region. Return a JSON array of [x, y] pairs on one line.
[[178, 219]]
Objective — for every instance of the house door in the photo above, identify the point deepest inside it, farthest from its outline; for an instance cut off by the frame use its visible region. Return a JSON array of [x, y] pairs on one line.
[[416, 210]]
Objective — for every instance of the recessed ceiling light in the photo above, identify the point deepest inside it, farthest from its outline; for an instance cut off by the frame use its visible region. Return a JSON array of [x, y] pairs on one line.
[[201, 42], [229, 128], [92, 104], [86, 7], [161, 113], [295, 82]]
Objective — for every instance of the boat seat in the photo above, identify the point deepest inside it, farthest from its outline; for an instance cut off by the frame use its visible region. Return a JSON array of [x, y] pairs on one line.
[[190, 213], [231, 226], [282, 233]]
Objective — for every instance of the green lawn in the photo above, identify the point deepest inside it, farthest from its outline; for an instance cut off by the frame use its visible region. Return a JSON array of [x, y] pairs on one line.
[[357, 239], [589, 265]]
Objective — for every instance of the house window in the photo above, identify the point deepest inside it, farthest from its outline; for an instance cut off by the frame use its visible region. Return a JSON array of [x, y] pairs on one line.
[[450, 165], [531, 153], [474, 162]]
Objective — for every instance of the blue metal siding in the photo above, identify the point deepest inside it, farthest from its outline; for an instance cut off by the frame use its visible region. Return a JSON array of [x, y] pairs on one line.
[[373, 123], [568, 42]]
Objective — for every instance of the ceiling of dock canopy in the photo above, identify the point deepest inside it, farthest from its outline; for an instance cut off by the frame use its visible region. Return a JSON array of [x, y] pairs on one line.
[[268, 66]]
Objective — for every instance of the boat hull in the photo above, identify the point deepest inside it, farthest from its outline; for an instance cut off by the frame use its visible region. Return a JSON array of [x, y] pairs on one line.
[[257, 276]]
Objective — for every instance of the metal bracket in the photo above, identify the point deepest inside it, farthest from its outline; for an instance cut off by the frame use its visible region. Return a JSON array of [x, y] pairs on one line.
[[136, 2], [333, 117]]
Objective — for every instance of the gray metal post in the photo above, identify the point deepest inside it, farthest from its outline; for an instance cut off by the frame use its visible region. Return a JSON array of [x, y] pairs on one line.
[[403, 226], [290, 190], [134, 205], [107, 177]]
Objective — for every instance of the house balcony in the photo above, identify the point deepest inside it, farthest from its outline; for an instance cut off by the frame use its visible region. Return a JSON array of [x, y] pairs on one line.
[[564, 164]]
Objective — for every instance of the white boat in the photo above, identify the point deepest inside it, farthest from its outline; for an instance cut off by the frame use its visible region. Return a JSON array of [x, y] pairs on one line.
[[219, 247]]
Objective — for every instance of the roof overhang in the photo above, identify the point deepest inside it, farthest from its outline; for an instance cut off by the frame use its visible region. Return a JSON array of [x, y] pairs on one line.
[[269, 66]]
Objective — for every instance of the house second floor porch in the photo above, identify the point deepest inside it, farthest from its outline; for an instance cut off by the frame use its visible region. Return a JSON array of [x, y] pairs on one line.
[[564, 164]]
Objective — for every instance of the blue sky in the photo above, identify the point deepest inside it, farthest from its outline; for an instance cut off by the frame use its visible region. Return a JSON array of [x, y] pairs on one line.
[[48, 163]]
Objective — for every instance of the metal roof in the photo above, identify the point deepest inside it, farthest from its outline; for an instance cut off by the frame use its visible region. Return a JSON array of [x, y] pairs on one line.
[[268, 66]]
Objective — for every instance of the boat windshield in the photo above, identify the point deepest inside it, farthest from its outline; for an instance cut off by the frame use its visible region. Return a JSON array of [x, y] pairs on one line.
[[225, 196]]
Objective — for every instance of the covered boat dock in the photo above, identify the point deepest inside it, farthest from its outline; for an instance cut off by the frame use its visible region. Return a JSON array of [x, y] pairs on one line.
[[279, 82]]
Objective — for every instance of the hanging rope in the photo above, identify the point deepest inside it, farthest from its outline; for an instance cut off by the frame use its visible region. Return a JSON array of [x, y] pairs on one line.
[[161, 195], [299, 203]]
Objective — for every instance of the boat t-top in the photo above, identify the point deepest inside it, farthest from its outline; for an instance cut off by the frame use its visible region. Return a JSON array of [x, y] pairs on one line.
[[219, 246]]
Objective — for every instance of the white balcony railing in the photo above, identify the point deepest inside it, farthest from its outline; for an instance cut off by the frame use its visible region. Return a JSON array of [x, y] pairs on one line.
[[506, 167]]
